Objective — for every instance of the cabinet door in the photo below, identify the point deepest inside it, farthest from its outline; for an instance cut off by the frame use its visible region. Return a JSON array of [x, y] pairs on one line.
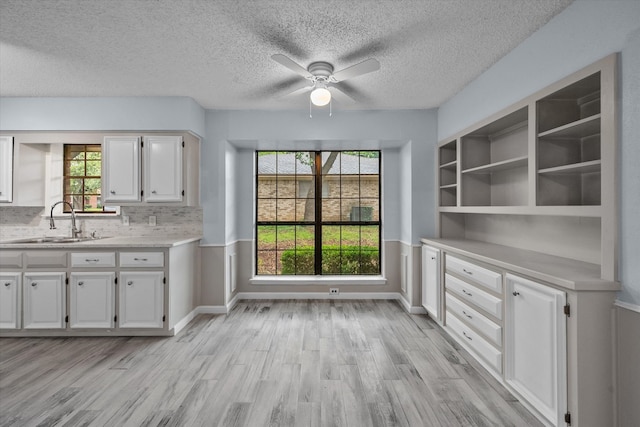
[[6, 169], [10, 300], [44, 300], [92, 300], [431, 293], [121, 169], [141, 299], [163, 168], [536, 346]]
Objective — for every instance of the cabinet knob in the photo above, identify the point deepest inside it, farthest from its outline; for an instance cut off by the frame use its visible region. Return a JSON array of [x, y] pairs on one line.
[[112, 192], [80, 283], [130, 282], [7, 284], [516, 293], [34, 284], [433, 258], [154, 192]]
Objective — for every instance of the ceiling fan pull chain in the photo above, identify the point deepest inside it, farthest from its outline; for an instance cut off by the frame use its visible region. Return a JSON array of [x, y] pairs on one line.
[[330, 102], [310, 116]]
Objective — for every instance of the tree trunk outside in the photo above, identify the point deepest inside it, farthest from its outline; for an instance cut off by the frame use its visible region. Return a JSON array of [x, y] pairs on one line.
[[309, 206]]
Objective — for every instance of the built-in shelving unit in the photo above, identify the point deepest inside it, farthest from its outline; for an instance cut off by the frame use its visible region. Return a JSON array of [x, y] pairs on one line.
[[551, 154]]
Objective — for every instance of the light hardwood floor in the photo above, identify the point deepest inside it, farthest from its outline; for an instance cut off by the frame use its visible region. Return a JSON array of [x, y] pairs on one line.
[[279, 363]]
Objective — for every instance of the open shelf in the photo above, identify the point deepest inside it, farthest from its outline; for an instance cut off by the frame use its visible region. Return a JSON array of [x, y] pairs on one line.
[[447, 153], [500, 166], [575, 168], [451, 165], [579, 129]]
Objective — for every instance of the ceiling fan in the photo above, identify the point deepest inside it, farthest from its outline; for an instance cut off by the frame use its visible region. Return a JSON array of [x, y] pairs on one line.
[[321, 77]]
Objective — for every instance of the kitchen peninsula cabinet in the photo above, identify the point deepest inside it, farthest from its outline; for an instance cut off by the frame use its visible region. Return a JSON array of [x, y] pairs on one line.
[[106, 287]]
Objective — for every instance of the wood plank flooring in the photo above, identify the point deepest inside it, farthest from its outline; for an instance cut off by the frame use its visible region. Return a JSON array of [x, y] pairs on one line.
[[267, 363]]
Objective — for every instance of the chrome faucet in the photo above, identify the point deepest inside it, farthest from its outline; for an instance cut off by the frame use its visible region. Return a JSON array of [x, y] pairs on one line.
[[75, 232]]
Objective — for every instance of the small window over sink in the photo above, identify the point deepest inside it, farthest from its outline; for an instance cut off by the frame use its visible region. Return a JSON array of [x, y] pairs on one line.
[[82, 178]]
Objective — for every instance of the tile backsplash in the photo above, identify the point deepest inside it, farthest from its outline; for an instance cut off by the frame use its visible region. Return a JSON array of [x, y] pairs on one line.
[[22, 222]]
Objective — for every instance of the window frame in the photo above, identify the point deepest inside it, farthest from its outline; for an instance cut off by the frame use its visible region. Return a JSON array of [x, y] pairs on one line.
[[318, 223], [66, 178]]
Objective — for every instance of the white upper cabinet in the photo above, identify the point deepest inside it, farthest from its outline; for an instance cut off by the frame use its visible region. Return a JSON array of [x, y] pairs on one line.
[[6, 169], [121, 169], [162, 164]]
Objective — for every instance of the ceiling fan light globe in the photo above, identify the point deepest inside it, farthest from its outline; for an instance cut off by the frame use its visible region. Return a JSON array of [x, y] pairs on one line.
[[320, 96]]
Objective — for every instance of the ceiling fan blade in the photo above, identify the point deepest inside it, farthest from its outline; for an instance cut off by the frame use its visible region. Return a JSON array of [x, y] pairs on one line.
[[340, 95], [364, 67], [299, 88], [290, 64]]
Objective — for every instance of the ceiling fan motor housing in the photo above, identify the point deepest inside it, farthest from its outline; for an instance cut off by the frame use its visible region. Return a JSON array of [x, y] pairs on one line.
[[321, 70]]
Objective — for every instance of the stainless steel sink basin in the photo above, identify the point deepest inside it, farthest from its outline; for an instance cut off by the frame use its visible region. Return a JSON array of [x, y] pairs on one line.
[[55, 239]]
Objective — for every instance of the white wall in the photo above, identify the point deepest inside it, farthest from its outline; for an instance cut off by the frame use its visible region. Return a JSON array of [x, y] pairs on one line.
[[117, 113], [583, 33]]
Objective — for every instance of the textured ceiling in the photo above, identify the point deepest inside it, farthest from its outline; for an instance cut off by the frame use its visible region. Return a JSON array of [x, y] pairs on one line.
[[218, 51]]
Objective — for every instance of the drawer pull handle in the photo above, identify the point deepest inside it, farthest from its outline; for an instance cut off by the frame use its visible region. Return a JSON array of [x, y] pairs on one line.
[[130, 282], [467, 271], [467, 336], [7, 284], [516, 293], [34, 284], [80, 283], [91, 260], [154, 192], [465, 313], [141, 259], [433, 258], [464, 291]]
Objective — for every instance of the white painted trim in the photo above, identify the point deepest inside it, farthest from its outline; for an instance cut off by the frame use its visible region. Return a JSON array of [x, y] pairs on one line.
[[184, 321], [232, 303], [317, 295], [627, 305], [211, 309], [318, 280], [212, 245]]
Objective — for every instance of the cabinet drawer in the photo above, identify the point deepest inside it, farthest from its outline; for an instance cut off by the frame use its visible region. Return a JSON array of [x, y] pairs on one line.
[[46, 259], [141, 259], [484, 325], [10, 259], [484, 277], [93, 259], [477, 297], [479, 345]]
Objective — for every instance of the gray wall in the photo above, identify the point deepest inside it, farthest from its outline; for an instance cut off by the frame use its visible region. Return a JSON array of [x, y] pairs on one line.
[[583, 33]]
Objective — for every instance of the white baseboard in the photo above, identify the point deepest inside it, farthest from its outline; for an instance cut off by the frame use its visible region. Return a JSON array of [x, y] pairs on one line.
[[317, 295], [185, 321], [627, 305], [225, 309], [211, 309]]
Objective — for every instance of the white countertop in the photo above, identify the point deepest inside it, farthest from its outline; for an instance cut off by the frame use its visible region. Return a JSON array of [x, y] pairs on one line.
[[109, 242], [563, 272]]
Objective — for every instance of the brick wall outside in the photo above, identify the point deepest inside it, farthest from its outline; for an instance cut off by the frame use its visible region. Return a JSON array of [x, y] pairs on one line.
[[348, 190]]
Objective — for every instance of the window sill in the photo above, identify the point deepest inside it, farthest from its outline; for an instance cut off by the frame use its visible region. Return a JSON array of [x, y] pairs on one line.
[[318, 280]]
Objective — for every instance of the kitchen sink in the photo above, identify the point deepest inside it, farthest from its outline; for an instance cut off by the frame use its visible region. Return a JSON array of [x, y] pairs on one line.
[[55, 239]]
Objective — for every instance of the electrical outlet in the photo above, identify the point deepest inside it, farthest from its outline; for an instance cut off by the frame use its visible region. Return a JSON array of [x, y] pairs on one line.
[[334, 291], [125, 219], [152, 220]]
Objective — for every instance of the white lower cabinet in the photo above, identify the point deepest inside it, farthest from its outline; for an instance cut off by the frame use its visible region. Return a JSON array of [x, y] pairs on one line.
[[10, 300], [92, 300], [44, 301], [431, 288], [141, 299], [535, 346]]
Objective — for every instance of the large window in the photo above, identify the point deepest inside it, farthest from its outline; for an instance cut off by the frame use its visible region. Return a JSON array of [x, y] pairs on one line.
[[318, 212], [82, 177]]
